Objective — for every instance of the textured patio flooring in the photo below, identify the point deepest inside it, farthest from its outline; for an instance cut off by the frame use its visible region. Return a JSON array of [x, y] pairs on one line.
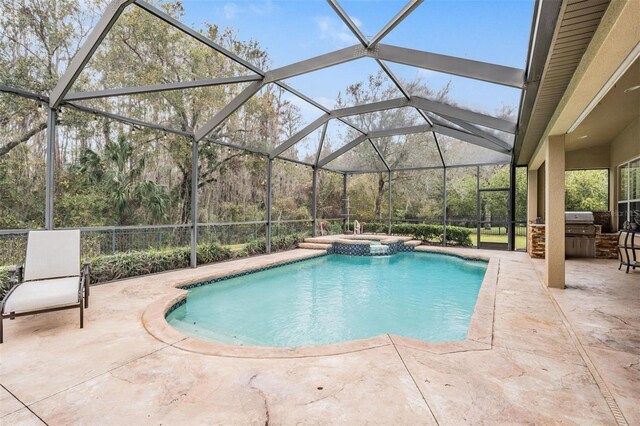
[[549, 350]]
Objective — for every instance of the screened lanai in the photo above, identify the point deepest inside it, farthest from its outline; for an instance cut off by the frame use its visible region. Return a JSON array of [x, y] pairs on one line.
[[385, 122]]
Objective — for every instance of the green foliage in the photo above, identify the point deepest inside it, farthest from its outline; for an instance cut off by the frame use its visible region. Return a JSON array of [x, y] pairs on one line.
[[332, 227], [425, 232], [279, 243], [107, 174], [4, 280], [587, 190], [119, 172], [134, 263]]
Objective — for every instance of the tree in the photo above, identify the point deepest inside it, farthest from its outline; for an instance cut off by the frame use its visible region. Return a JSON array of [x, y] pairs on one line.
[[38, 38], [587, 190], [118, 172]]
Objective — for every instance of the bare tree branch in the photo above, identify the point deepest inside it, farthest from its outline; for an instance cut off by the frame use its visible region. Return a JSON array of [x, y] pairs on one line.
[[4, 149]]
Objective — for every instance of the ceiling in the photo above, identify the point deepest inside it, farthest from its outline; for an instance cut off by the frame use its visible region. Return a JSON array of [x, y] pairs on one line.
[[576, 26], [617, 109]]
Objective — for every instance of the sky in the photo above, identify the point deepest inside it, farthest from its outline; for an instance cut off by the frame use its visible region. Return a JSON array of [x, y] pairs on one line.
[[484, 30]]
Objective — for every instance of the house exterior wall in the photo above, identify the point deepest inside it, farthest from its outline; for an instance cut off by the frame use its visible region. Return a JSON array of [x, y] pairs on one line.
[[625, 147]]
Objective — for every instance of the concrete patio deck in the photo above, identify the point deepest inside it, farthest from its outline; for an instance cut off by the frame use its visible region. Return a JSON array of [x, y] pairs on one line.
[[559, 356]]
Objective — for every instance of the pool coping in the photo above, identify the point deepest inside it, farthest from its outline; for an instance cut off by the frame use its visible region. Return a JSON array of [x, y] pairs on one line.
[[479, 334]]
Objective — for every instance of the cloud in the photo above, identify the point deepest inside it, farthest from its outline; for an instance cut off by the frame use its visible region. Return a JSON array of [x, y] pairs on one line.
[[230, 10], [263, 8], [335, 31]]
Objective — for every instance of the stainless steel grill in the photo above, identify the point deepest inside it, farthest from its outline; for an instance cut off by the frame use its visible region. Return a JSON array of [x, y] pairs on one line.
[[579, 234]]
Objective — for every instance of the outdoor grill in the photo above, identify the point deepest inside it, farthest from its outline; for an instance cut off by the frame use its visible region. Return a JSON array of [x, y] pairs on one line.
[[580, 234]]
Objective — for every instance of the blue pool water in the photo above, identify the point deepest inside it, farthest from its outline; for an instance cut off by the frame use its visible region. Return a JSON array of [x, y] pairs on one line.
[[336, 298]]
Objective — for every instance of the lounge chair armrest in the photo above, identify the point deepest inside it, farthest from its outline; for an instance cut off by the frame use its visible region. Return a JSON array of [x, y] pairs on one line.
[[86, 270]]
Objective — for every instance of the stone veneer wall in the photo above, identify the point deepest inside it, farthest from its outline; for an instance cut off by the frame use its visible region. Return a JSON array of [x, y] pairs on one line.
[[606, 244], [535, 241]]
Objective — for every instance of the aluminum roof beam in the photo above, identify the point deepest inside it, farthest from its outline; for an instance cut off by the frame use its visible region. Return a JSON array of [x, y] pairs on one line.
[[329, 158], [324, 134], [404, 12], [161, 87], [127, 120], [478, 132], [417, 102], [140, 123], [196, 35], [454, 133], [99, 32], [418, 169], [307, 130], [373, 135], [228, 109], [23, 93], [348, 22], [395, 21], [407, 95], [193, 33], [497, 74], [431, 106], [316, 63], [464, 114], [469, 138], [316, 104], [375, 148], [393, 78], [399, 17]]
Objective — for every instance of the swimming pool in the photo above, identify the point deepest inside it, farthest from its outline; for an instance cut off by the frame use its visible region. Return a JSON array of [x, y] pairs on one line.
[[334, 298]]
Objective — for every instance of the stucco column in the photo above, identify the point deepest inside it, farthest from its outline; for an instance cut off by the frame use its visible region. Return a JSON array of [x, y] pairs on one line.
[[554, 212], [532, 195]]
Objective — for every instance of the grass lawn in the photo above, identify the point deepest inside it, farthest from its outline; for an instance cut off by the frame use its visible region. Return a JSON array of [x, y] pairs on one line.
[[521, 241]]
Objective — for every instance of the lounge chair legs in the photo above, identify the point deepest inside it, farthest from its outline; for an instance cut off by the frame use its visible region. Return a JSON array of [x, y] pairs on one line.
[[1, 329], [81, 314]]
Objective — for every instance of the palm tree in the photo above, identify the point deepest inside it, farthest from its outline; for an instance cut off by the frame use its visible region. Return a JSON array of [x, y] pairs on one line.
[[119, 173]]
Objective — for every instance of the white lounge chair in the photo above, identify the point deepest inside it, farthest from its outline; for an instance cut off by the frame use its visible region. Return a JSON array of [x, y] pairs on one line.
[[52, 278]]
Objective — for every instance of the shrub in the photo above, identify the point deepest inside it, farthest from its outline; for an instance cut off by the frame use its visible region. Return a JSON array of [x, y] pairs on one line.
[[4, 280], [459, 235], [332, 227], [371, 227], [279, 243], [133, 263], [425, 232]]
